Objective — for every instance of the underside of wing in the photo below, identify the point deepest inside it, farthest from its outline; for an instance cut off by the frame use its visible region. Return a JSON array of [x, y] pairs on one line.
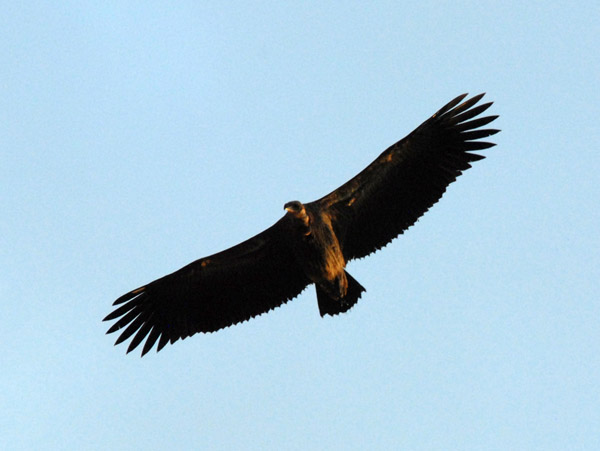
[[409, 177], [211, 293]]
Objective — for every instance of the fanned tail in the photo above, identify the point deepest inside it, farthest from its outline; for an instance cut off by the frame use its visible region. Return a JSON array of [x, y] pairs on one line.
[[330, 306]]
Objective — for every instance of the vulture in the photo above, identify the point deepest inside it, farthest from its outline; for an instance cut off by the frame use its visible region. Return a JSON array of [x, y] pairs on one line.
[[312, 242]]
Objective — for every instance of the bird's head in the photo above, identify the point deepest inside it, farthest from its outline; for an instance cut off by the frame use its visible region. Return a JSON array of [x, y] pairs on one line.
[[299, 214], [295, 207]]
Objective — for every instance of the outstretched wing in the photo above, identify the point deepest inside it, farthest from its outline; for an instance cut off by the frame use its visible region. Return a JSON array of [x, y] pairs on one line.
[[389, 195], [212, 293]]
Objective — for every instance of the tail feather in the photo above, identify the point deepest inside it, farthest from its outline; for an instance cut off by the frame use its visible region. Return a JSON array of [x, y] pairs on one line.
[[330, 306]]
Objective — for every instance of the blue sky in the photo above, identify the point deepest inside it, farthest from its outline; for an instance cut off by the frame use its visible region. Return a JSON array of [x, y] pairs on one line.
[[136, 137]]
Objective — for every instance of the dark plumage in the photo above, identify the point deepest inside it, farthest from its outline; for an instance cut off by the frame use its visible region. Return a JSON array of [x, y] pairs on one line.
[[312, 242]]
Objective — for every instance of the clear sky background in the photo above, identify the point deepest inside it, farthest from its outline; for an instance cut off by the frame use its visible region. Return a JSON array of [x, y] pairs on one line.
[[136, 137]]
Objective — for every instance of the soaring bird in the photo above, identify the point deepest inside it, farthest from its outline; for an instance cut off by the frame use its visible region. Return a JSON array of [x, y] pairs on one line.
[[312, 242]]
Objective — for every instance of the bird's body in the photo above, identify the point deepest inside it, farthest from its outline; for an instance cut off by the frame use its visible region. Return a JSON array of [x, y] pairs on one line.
[[318, 251], [312, 242]]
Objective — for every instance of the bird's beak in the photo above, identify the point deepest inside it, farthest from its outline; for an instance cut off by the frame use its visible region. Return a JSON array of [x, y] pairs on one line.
[[287, 209]]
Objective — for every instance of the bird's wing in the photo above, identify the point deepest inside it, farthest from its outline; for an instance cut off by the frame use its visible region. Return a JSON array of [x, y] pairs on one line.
[[214, 292], [389, 195]]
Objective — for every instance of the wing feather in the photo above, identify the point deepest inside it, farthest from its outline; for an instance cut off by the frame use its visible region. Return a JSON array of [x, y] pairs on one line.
[[390, 194], [154, 335], [211, 293]]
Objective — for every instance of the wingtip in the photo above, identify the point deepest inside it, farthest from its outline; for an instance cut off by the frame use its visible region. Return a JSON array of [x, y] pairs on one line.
[[443, 110], [132, 346], [127, 296], [115, 327]]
